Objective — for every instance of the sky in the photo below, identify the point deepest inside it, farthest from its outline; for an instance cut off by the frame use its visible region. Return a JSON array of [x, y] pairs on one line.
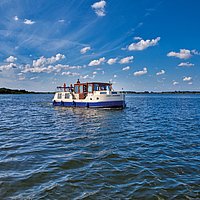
[[137, 45]]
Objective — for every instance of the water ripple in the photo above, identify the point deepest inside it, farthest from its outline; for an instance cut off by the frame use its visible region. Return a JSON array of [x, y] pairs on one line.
[[150, 150]]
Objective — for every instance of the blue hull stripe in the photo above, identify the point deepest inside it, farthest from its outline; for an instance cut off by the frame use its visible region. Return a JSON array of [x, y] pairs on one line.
[[104, 104]]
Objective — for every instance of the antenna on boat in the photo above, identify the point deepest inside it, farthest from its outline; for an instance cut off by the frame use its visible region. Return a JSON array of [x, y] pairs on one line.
[[64, 86]]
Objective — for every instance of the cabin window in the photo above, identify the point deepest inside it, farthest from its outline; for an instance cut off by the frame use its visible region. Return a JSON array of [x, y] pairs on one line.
[[96, 87], [66, 96], [114, 92], [84, 88], [81, 89], [90, 88], [76, 89], [59, 95], [108, 88], [103, 87], [103, 92]]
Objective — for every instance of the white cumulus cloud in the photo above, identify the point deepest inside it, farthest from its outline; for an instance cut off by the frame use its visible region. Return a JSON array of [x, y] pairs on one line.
[[97, 62], [175, 83], [112, 61], [16, 18], [195, 52], [126, 68], [11, 59], [7, 66], [187, 78], [21, 76], [61, 20], [186, 64], [183, 54], [160, 72], [85, 49], [143, 44], [137, 38], [85, 77], [70, 73], [33, 78], [99, 8], [45, 61], [126, 60], [29, 22], [140, 73], [48, 69], [88, 77]]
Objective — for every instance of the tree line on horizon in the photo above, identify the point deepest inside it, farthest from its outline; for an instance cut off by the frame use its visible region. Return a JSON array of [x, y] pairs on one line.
[[16, 91]]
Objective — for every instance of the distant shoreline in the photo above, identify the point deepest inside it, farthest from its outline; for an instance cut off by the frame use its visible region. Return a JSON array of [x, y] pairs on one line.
[[16, 91], [165, 92]]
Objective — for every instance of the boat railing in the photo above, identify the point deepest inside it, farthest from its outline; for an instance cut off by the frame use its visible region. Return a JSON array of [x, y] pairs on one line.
[[64, 89]]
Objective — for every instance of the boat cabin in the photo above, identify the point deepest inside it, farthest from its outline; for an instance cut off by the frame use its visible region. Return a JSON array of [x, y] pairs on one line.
[[84, 88]]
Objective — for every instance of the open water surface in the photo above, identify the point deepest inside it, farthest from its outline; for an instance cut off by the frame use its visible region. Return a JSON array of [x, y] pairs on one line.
[[150, 150]]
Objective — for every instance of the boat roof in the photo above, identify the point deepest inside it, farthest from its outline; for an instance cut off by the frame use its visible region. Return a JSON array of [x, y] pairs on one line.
[[80, 83], [100, 83]]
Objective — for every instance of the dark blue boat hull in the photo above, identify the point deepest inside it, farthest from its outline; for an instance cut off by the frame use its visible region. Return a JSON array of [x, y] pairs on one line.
[[103, 104]]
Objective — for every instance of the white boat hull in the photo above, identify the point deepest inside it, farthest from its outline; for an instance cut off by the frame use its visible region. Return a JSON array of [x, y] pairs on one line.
[[98, 99]]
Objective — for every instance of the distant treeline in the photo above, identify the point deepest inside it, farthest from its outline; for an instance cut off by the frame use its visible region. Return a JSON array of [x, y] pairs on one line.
[[167, 92], [11, 91]]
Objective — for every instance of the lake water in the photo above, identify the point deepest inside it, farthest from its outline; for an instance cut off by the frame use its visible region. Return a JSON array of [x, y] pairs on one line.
[[150, 150]]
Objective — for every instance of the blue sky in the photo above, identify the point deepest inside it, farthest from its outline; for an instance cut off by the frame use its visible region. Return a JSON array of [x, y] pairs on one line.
[[138, 45]]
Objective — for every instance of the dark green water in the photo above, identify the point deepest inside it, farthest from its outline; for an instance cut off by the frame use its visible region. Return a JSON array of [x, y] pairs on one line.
[[150, 150]]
